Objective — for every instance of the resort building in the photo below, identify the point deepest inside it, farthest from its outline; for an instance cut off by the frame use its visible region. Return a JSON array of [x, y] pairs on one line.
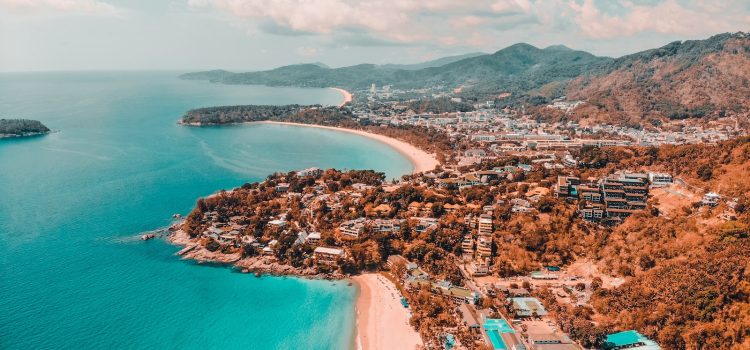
[[352, 228], [566, 186], [479, 267], [386, 225], [629, 340], [327, 255], [612, 199], [457, 295], [528, 307], [484, 247], [484, 225], [659, 179], [467, 246], [424, 224], [313, 238]]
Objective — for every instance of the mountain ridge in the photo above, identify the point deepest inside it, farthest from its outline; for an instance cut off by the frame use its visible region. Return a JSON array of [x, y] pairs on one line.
[[683, 79]]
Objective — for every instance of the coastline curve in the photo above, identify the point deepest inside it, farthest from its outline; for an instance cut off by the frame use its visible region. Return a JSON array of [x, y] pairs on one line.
[[421, 160]]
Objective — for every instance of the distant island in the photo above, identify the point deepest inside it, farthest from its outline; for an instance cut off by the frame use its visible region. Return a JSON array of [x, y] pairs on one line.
[[21, 128]]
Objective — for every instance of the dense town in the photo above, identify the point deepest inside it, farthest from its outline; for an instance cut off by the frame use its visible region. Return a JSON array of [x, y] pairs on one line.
[[455, 240]]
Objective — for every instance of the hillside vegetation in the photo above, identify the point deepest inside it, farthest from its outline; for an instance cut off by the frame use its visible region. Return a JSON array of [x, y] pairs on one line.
[[699, 78], [517, 68]]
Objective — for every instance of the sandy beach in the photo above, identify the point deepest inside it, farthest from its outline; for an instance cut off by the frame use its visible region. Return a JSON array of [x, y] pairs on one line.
[[421, 161], [382, 322], [347, 96]]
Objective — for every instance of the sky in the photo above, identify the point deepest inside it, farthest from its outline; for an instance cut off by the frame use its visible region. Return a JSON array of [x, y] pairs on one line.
[[245, 35]]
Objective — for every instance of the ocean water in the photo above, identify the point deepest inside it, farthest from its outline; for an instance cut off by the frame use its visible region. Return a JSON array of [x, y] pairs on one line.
[[73, 274]]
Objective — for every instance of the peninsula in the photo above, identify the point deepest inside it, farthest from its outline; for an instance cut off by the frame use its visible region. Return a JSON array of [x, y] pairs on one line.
[[21, 128]]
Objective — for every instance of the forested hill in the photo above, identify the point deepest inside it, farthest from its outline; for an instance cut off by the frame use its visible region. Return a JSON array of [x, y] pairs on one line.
[[695, 78], [698, 78], [517, 68], [21, 127]]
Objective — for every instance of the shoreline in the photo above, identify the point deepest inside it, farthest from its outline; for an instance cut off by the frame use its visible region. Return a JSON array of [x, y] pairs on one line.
[[347, 95], [420, 160], [379, 312], [377, 306]]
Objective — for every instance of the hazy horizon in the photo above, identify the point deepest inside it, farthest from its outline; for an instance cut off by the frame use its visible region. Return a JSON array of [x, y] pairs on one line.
[[244, 35]]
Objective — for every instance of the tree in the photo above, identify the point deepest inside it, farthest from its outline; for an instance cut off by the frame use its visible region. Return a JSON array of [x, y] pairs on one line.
[[596, 283]]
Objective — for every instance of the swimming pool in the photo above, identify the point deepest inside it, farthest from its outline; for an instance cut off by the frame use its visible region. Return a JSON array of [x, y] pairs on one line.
[[494, 329], [497, 340]]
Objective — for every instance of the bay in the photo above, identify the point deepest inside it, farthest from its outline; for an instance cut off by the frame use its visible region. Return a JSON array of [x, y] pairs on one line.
[[73, 274]]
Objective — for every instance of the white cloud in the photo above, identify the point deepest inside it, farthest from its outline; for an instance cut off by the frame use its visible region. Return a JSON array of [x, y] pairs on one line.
[[503, 6], [481, 24], [308, 51], [667, 17], [439, 22], [92, 7]]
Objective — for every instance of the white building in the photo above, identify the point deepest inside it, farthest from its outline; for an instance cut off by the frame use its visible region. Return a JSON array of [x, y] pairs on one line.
[[659, 179]]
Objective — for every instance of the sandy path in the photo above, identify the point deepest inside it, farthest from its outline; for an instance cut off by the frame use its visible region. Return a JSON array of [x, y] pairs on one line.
[[382, 322]]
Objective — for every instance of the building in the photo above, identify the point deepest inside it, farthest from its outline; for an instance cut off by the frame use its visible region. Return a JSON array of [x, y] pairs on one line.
[[484, 225], [483, 137], [479, 267], [467, 246], [543, 275], [566, 187], [484, 247], [711, 199], [528, 307], [352, 228], [386, 225], [475, 152], [313, 238], [612, 199], [629, 340], [457, 295], [424, 224], [569, 161], [310, 172], [282, 187], [328, 256], [659, 179], [551, 341]]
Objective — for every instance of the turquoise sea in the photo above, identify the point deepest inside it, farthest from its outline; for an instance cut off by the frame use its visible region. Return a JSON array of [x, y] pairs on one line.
[[73, 274]]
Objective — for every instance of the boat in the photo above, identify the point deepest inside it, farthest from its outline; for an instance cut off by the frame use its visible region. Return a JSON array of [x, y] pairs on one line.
[[404, 302]]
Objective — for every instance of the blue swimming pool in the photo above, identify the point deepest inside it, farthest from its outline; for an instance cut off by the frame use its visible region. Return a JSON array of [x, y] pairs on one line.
[[496, 339], [494, 329]]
